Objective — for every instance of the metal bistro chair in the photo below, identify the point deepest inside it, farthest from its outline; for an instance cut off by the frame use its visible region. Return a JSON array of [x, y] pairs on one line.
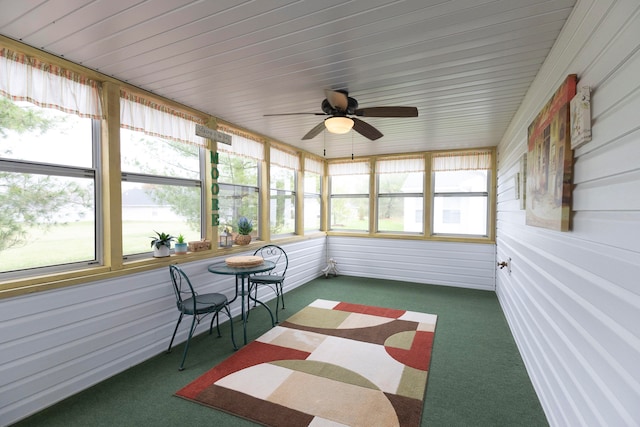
[[198, 306], [273, 278]]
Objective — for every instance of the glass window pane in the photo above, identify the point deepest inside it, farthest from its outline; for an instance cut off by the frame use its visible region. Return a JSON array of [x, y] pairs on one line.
[[460, 215], [283, 203], [461, 181], [400, 214], [350, 213], [282, 178], [283, 212], [45, 220], [237, 170], [141, 153], [236, 202], [393, 183], [164, 208], [350, 184], [312, 205], [44, 135], [312, 183]]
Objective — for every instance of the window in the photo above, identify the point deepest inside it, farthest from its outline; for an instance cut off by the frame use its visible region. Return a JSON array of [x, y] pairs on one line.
[[49, 190], [313, 172], [162, 174], [239, 180], [349, 198], [461, 193], [282, 180], [400, 185]]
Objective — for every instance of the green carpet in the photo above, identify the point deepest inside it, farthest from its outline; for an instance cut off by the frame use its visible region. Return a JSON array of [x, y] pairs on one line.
[[476, 376]]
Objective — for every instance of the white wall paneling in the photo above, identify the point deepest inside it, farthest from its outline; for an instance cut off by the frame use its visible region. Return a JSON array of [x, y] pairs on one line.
[[573, 299], [465, 265], [56, 343]]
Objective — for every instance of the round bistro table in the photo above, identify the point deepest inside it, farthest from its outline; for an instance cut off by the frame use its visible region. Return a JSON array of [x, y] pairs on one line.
[[241, 274]]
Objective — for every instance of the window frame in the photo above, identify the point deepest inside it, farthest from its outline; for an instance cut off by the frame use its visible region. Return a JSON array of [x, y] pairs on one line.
[[292, 194], [309, 195], [93, 172], [256, 232], [381, 196], [364, 196]]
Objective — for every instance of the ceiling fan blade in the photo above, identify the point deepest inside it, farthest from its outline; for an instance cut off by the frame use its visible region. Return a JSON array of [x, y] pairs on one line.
[[315, 131], [338, 100], [387, 112], [293, 114], [365, 129]]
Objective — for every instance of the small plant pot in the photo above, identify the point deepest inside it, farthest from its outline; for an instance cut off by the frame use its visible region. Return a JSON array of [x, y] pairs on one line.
[[161, 252], [243, 239], [181, 248]]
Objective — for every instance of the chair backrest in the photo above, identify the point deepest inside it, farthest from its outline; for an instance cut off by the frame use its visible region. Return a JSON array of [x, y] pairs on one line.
[[182, 287], [277, 255]]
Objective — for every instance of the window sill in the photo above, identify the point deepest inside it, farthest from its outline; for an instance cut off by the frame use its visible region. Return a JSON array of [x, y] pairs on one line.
[[32, 284]]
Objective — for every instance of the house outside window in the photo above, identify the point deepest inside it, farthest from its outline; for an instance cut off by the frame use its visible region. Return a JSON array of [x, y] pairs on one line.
[[162, 174], [461, 184]]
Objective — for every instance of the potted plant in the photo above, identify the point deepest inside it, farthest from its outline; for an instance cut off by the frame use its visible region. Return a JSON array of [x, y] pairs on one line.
[[181, 245], [161, 244], [245, 227]]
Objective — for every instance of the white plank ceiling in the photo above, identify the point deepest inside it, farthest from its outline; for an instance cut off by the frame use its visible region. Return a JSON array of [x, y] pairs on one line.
[[465, 64]]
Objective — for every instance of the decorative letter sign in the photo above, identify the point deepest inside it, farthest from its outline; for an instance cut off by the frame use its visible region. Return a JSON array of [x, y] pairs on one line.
[[215, 189]]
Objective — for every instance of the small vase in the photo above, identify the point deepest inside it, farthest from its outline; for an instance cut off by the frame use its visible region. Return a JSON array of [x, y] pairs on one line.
[[243, 239], [181, 248], [161, 252]]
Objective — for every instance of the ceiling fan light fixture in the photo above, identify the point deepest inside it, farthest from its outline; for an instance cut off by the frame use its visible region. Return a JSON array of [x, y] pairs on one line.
[[338, 124]]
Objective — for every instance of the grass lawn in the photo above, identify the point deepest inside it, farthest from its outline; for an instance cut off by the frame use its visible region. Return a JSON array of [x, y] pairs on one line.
[[74, 242]]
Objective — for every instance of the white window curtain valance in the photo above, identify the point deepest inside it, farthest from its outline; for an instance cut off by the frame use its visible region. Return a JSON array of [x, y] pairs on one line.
[[349, 168], [241, 146], [400, 165], [26, 78], [284, 159], [442, 162], [155, 119], [314, 166]]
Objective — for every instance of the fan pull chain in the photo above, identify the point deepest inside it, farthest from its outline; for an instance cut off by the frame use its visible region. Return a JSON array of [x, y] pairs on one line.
[[351, 145], [324, 143]]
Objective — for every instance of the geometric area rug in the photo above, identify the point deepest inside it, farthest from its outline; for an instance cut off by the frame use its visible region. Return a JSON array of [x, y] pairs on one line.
[[330, 364]]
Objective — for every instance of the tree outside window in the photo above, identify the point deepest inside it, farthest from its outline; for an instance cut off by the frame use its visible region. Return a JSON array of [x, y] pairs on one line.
[[349, 208], [47, 187], [283, 200], [312, 201], [238, 180], [161, 189]]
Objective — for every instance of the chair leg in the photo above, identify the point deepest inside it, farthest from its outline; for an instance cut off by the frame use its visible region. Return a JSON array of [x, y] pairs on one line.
[[281, 295], [217, 323], [249, 287], [214, 317], [174, 332], [233, 339], [186, 347]]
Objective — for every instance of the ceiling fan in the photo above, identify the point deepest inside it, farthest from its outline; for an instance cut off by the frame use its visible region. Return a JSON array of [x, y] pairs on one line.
[[339, 105]]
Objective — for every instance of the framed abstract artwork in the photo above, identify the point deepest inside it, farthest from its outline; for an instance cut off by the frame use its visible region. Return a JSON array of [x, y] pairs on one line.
[[550, 162]]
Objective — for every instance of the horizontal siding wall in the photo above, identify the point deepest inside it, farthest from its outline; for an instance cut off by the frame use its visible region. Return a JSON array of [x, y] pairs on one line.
[[572, 299], [54, 344], [466, 265]]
